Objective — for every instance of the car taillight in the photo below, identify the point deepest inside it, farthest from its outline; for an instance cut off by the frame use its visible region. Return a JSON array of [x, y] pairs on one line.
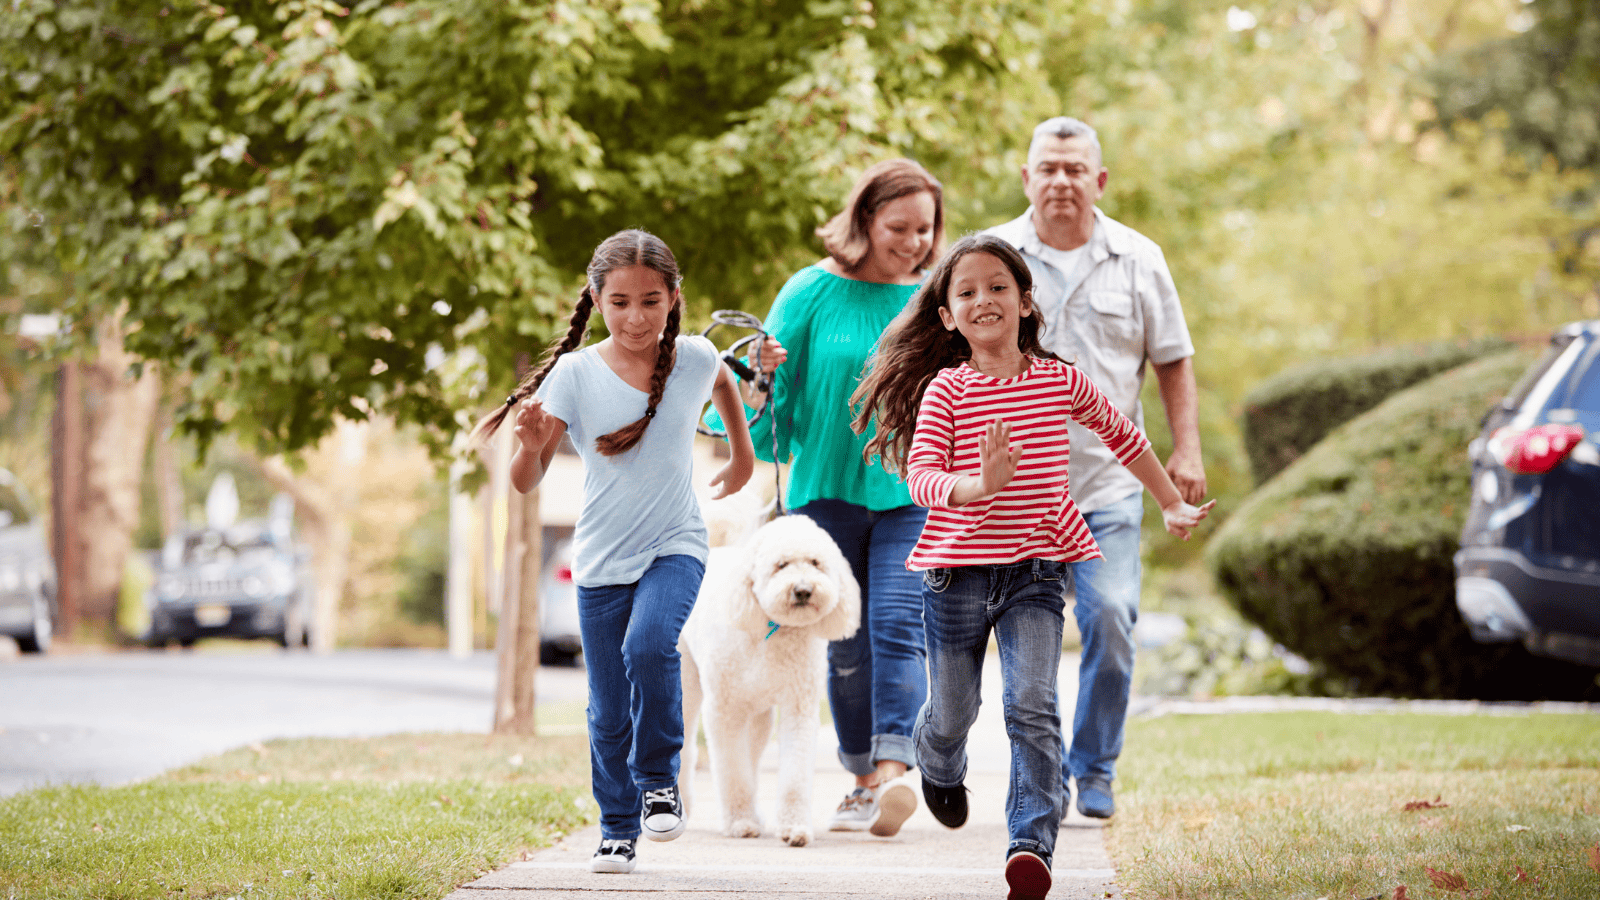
[[1534, 451], [564, 574]]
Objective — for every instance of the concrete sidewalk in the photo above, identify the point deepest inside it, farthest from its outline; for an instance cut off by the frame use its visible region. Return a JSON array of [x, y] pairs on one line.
[[925, 860]]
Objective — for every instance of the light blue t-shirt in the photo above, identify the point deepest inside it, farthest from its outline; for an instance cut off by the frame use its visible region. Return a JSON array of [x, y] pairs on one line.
[[640, 504]]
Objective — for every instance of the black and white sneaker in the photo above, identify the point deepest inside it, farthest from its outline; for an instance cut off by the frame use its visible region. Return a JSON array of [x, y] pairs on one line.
[[613, 856], [662, 819]]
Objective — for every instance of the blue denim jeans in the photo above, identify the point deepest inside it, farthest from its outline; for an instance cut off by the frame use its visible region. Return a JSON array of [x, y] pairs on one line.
[[1106, 608], [630, 645], [1023, 604], [877, 678]]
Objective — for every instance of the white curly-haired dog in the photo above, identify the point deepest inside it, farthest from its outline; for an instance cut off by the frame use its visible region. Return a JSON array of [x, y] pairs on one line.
[[757, 643]]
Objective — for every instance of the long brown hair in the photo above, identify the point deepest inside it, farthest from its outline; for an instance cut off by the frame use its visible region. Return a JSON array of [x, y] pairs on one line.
[[916, 345], [625, 248], [848, 237]]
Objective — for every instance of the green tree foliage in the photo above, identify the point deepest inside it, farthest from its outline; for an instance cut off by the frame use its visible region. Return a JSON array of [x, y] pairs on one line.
[[1545, 81], [305, 206]]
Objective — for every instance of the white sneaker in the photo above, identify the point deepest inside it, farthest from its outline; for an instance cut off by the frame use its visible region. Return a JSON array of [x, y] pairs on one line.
[[855, 812], [615, 856], [662, 819], [896, 802]]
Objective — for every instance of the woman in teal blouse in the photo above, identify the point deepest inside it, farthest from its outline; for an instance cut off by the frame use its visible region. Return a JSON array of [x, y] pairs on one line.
[[825, 322]]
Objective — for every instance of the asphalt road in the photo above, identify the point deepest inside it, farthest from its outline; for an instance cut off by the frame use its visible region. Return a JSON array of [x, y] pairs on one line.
[[114, 717]]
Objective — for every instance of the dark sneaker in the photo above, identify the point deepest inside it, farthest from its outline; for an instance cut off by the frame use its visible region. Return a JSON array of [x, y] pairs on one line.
[[896, 802], [856, 811], [613, 856], [662, 818], [948, 804], [1027, 876], [1094, 798]]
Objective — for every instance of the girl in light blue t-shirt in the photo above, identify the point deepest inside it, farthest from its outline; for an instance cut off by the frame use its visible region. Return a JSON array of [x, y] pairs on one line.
[[630, 404]]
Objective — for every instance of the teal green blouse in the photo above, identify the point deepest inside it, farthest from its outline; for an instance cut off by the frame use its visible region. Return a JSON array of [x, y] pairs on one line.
[[829, 325]]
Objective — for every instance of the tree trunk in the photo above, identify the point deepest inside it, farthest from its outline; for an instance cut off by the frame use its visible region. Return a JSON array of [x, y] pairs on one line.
[[118, 410], [518, 637]]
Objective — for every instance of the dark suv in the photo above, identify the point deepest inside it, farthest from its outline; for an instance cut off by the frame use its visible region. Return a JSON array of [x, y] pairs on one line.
[[27, 571], [1529, 565], [247, 580]]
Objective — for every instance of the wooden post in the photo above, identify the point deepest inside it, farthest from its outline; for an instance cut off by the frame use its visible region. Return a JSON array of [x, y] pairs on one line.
[[66, 483]]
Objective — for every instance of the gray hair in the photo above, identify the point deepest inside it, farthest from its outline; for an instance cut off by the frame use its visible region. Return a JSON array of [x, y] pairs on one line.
[[1064, 127]]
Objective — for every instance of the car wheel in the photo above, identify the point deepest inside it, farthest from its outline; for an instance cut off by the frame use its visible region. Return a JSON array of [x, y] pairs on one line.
[[43, 629], [186, 643]]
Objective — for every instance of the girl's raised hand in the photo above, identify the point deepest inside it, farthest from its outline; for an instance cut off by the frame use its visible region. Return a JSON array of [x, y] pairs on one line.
[[1180, 517], [534, 424], [999, 458]]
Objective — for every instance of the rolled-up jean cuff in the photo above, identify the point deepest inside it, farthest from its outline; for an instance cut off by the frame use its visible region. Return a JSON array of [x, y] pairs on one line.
[[857, 763], [894, 747]]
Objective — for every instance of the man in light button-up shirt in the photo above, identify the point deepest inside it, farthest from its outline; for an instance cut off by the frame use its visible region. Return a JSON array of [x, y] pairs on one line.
[[1109, 305]]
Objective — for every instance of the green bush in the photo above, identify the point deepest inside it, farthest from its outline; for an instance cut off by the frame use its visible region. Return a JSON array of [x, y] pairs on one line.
[[1286, 415], [1345, 556]]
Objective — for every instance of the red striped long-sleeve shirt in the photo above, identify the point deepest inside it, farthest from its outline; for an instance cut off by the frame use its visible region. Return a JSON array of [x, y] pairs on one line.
[[1033, 517]]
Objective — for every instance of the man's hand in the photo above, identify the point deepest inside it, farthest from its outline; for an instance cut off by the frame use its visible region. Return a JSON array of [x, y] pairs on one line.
[[1188, 473]]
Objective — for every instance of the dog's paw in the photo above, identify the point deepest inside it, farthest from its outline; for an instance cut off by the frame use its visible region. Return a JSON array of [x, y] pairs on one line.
[[795, 835], [743, 828]]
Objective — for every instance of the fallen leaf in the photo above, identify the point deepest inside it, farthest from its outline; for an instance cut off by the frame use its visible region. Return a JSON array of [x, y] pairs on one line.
[[1594, 856], [1400, 893], [1516, 828], [1524, 876], [1415, 805], [1445, 881]]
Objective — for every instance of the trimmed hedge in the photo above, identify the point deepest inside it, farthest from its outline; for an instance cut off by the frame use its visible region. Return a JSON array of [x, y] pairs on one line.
[[1287, 414], [1345, 556]]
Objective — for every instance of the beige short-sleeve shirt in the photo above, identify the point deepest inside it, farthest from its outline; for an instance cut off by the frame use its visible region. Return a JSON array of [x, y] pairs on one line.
[[1118, 309]]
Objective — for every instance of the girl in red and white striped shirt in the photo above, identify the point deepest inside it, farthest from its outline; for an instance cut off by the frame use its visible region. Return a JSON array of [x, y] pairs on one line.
[[973, 411]]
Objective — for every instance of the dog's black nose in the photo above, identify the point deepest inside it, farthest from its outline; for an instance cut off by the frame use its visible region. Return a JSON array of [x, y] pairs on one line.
[[802, 594]]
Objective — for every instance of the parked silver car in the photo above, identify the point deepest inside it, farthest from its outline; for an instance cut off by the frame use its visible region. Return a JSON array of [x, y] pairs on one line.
[[247, 580], [27, 571]]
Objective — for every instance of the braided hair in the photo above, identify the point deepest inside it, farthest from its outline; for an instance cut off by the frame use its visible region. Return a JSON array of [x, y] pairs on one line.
[[625, 248]]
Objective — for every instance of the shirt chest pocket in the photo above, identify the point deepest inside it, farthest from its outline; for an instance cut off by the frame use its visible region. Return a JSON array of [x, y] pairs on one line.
[[1111, 317]]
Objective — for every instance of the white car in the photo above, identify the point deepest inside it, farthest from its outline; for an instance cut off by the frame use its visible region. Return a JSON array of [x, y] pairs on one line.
[[560, 640], [27, 571]]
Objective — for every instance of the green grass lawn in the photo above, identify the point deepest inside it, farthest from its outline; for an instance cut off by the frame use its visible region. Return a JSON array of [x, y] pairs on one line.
[[1274, 805], [404, 816], [1313, 805]]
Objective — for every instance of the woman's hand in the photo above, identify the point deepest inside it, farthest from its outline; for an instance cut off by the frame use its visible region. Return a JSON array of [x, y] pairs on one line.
[[1179, 517], [772, 356]]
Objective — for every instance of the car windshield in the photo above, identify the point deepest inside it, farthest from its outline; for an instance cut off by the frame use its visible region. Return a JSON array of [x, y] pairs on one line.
[[1585, 391], [216, 546]]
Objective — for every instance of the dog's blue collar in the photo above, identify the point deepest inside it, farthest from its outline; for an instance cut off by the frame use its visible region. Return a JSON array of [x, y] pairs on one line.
[[772, 629]]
